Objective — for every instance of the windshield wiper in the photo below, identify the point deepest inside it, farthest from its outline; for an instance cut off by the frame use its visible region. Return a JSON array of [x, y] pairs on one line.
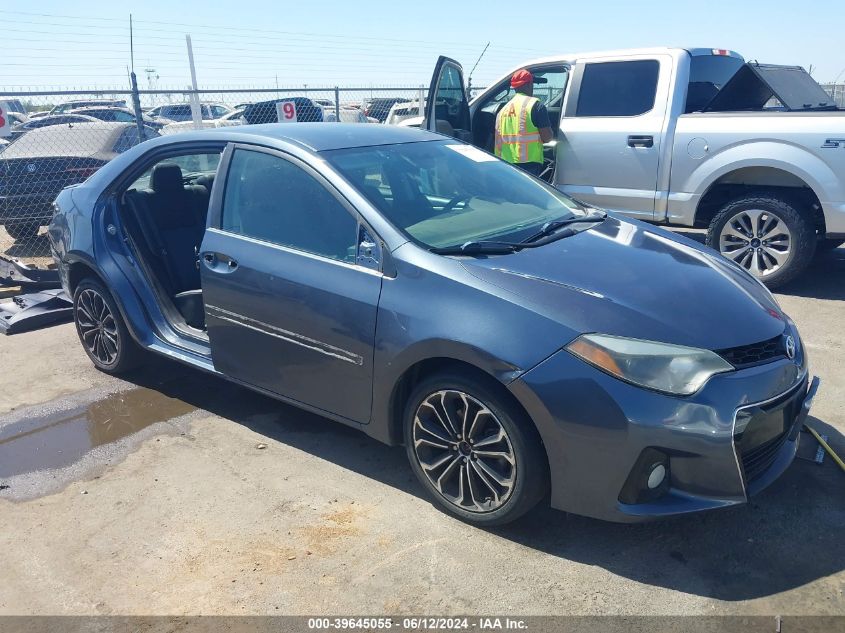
[[550, 227], [484, 247]]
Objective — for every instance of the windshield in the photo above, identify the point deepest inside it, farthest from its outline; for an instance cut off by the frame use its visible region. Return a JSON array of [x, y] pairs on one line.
[[444, 193]]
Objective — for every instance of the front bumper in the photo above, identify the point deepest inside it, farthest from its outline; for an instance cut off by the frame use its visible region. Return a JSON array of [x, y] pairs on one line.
[[596, 427]]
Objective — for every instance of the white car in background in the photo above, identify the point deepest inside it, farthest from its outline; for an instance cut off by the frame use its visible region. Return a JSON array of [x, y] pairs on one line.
[[347, 115], [403, 111], [235, 117]]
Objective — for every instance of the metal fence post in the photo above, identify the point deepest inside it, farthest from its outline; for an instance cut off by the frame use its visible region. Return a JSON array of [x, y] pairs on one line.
[[196, 107], [337, 103], [136, 107]]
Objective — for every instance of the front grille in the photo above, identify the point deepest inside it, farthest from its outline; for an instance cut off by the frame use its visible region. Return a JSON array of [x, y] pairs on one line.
[[762, 430], [754, 354], [757, 460]]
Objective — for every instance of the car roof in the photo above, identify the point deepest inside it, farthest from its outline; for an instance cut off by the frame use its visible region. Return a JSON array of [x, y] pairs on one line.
[[99, 108], [317, 137], [77, 139]]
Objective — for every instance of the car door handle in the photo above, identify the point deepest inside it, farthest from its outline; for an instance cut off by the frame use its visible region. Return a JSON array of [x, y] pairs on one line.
[[232, 264], [209, 258], [640, 141]]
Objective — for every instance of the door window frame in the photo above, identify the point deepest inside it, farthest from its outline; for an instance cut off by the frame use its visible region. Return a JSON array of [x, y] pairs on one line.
[[218, 194]]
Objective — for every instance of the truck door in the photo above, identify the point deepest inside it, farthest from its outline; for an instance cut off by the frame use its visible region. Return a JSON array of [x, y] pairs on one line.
[[447, 106], [614, 119]]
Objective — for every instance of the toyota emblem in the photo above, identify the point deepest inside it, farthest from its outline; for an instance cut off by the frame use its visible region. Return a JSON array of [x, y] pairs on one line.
[[31, 168], [790, 347]]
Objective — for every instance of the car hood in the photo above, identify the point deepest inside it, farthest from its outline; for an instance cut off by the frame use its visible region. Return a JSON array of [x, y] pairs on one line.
[[630, 279]]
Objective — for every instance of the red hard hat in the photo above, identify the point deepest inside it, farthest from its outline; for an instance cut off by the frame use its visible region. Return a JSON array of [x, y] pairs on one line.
[[521, 77]]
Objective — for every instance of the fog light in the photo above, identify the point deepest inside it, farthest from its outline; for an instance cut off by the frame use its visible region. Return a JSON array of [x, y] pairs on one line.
[[656, 476], [649, 478]]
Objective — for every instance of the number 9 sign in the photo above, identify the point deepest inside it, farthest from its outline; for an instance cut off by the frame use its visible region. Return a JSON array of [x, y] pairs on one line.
[[286, 111]]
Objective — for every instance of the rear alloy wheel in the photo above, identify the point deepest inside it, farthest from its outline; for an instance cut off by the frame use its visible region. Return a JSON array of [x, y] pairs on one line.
[[101, 329], [478, 457], [767, 236], [19, 231]]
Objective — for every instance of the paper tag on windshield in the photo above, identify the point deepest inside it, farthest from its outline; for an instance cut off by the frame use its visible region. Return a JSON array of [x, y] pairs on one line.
[[472, 152]]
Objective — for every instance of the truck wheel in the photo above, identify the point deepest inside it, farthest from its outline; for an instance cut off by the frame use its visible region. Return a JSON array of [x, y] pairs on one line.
[[22, 230], [767, 235]]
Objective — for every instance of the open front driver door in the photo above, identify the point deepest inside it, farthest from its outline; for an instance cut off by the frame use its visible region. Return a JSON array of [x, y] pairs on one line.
[[447, 106]]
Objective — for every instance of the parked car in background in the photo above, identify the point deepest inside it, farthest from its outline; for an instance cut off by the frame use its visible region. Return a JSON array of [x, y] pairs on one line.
[[47, 121], [182, 111], [16, 118], [235, 117], [403, 111], [12, 105], [38, 115], [683, 137], [39, 164], [521, 345], [265, 111], [347, 115], [119, 115], [87, 103], [379, 107]]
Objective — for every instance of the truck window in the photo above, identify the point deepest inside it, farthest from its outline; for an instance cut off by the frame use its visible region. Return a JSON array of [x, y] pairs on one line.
[[707, 75], [618, 88]]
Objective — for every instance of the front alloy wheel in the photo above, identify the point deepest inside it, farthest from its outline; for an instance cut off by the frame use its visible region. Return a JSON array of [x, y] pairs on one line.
[[474, 449], [464, 451]]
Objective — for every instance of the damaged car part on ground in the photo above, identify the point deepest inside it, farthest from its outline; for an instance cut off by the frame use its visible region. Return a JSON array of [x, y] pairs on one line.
[[429, 294]]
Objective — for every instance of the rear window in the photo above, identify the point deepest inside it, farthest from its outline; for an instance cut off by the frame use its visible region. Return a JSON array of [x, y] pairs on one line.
[[178, 110], [618, 88], [708, 73]]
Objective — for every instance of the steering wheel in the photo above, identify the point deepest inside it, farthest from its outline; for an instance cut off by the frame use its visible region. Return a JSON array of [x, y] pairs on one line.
[[455, 202]]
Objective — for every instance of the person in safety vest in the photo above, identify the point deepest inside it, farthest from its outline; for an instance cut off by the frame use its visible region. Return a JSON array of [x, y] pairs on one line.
[[522, 126]]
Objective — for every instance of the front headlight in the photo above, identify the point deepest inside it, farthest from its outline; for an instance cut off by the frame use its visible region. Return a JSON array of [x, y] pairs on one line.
[[664, 367]]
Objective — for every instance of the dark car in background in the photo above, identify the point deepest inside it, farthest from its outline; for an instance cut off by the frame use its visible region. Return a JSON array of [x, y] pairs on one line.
[[379, 107], [307, 111], [182, 111], [429, 294], [39, 164], [120, 115]]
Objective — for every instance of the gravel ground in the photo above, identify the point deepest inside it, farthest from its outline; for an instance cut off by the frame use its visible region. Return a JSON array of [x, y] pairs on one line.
[[236, 504]]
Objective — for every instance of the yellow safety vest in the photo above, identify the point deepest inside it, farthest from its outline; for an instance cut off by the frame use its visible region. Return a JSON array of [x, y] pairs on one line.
[[517, 138]]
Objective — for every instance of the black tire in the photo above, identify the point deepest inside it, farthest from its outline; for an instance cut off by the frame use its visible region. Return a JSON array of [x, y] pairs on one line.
[[800, 225], [530, 469], [126, 352], [825, 246], [19, 231]]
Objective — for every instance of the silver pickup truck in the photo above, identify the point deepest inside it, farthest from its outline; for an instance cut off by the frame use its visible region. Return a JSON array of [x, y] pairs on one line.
[[689, 137]]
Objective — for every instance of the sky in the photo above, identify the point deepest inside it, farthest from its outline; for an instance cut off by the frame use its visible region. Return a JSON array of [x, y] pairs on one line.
[[54, 44]]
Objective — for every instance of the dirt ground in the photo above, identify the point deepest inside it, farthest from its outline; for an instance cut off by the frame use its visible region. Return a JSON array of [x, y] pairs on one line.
[[177, 493]]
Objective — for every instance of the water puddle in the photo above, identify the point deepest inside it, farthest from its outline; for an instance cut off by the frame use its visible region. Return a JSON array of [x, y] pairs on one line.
[[59, 439]]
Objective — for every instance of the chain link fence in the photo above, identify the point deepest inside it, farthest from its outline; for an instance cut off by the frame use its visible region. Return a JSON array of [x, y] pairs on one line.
[[837, 92], [60, 138]]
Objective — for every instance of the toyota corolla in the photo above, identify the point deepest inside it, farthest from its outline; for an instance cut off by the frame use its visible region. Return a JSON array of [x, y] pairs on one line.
[[517, 342]]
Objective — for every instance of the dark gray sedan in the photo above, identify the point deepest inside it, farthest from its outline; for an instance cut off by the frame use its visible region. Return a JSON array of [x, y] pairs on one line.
[[515, 341]]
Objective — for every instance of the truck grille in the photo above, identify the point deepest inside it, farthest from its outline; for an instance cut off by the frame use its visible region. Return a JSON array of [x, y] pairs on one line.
[[754, 354]]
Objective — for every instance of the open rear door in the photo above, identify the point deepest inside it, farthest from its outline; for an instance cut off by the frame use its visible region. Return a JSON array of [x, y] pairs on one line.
[[447, 106]]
